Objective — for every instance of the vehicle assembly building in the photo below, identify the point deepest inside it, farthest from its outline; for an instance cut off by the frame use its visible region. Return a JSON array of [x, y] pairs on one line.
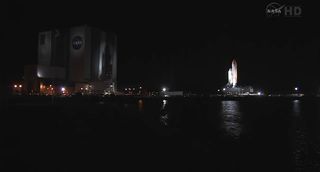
[[80, 59]]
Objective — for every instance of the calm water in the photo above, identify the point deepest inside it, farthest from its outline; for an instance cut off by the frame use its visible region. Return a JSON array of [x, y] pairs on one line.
[[163, 135]]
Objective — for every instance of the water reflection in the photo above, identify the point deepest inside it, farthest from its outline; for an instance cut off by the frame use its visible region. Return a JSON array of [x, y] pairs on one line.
[[164, 113], [296, 107], [231, 117], [306, 150], [140, 105], [164, 103], [300, 138]]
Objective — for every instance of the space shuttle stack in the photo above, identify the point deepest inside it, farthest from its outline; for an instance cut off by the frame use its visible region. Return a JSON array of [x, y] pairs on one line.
[[233, 74]]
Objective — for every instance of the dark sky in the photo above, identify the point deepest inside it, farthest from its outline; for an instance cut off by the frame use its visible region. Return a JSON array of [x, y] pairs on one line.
[[179, 45]]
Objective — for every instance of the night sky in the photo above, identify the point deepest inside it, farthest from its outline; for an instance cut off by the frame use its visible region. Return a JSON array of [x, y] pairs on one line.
[[182, 46]]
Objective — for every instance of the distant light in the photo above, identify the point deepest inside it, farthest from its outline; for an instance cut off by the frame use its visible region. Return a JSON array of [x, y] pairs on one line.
[[125, 89], [107, 92], [129, 89], [259, 93], [164, 89], [20, 86], [63, 89], [86, 88], [50, 85], [140, 88], [15, 86], [81, 88], [133, 89], [111, 85], [218, 90], [224, 89], [296, 88]]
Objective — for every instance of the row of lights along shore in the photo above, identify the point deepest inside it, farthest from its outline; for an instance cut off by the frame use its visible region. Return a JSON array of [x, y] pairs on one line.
[[163, 89], [133, 89]]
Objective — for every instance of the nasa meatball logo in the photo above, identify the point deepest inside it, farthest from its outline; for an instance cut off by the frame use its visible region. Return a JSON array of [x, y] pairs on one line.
[[275, 10], [77, 42]]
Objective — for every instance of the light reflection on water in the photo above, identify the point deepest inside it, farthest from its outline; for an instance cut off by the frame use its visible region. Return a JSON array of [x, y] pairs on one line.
[[300, 138], [140, 105], [231, 117], [164, 103], [164, 113], [296, 108]]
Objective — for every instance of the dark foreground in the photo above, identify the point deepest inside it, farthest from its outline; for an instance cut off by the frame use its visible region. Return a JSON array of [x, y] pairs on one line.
[[179, 134]]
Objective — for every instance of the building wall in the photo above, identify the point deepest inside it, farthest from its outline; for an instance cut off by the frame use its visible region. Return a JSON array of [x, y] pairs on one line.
[[79, 58], [51, 72], [45, 48], [103, 61], [98, 55], [52, 55], [96, 59], [60, 48], [113, 59], [78, 55]]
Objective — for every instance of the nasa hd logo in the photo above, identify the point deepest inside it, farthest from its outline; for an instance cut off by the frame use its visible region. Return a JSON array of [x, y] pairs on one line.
[[275, 10]]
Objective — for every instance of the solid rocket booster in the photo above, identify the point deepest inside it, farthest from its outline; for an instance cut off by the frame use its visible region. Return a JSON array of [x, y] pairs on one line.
[[234, 73]]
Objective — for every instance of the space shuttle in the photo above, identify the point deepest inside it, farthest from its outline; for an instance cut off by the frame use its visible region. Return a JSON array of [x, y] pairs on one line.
[[233, 74]]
